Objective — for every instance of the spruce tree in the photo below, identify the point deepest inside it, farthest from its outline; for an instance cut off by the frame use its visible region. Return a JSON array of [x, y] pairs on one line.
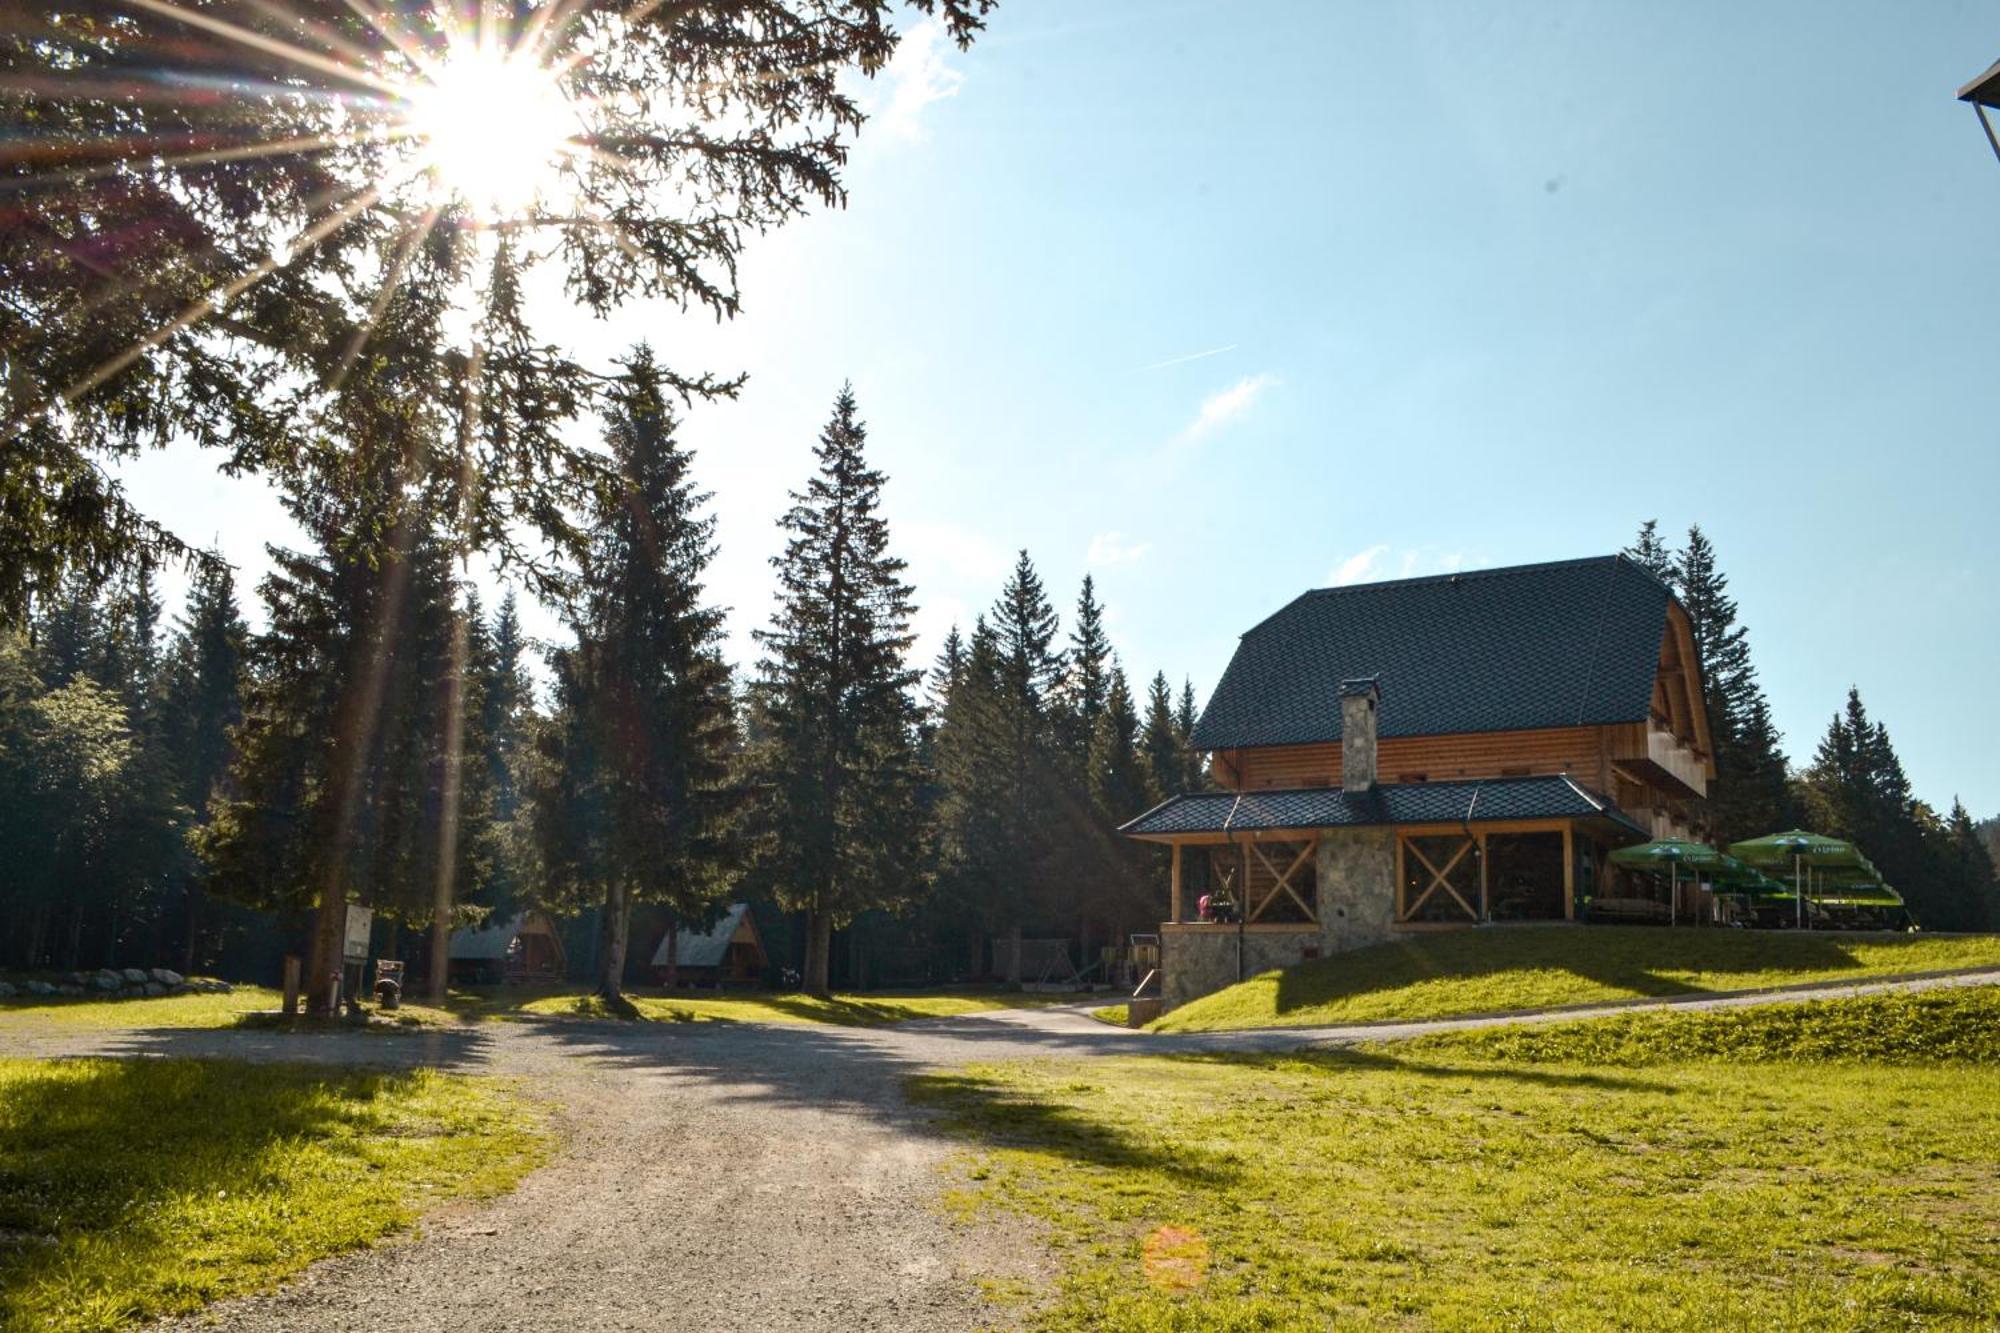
[[1194, 775], [634, 799], [1160, 740], [1748, 795], [1085, 680], [978, 878], [205, 678], [1032, 805], [838, 826], [1651, 553]]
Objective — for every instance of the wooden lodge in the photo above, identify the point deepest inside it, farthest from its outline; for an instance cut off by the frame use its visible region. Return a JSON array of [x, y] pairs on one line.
[[1429, 753]]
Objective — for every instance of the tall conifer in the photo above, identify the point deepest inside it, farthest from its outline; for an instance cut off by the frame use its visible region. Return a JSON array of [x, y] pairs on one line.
[[838, 828]]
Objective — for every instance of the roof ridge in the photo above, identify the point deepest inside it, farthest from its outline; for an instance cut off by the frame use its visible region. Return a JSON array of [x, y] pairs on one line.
[[1452, 576]]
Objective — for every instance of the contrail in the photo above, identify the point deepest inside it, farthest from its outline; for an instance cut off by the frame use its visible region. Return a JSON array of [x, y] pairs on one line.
[[1191, 356]]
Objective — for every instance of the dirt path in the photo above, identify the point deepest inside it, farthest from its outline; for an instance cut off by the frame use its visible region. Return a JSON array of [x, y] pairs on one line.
[[730, 1176]]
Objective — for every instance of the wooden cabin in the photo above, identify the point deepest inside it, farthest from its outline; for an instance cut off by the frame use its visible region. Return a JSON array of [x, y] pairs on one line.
[[729, 953], [525, 947], [1428, 753]]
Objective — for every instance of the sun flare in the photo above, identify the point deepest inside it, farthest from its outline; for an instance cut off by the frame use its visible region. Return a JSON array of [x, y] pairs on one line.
[[495, 127]]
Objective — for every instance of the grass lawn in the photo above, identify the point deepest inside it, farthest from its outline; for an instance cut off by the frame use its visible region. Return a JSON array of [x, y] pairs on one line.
[[1489, 971], [865, 1010], [524, 1003], [1739, 1179], [166, 1011], [133, 1189]]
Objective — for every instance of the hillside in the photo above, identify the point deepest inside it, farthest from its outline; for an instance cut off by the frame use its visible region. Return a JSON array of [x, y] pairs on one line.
[[1492, 971]]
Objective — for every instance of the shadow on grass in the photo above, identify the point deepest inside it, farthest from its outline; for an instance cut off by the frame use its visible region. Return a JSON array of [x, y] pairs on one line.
[[102, 1163], [1360, 1060], [1634, 959]]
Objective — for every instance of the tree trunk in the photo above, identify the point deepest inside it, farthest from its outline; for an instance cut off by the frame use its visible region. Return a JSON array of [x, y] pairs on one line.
[[454, 778], [329, 927], [613, 927], [437, 976], [673, 950], [819, 952], [194, 897], [1013, 977]]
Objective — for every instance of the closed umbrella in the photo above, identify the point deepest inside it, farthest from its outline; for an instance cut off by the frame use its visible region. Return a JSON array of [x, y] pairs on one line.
[[1673, 853]]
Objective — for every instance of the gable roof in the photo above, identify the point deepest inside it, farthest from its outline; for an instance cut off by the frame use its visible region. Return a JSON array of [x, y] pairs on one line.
[[1547, 797], [489, 943], [707, 948], [1573, 643]]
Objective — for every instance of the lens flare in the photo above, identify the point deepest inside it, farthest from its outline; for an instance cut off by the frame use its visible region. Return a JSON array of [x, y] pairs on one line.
[[495, 127]]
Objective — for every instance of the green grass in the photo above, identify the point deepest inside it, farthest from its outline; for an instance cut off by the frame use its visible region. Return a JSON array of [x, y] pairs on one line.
[[1117, 1015], [864, 1010], [1435, 1186], [134, 1189], [478, 1004], [1925, 1028], [1492, 971], [166, 1011]]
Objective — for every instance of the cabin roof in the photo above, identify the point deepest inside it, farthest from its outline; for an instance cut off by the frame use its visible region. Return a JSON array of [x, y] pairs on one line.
[[706, 948], [1573, 643], [1547, 797], [489, 943]]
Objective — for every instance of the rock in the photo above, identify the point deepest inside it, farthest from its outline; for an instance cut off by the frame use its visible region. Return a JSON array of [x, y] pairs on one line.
[[7, 991], [41, 988], [67, 989], [166, 976], [135, 975], [107, 981], [154, 989], [76, 979]]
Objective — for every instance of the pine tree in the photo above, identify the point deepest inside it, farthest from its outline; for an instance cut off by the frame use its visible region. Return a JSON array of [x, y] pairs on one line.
[[1084, 682], [634, 800], [1194, 775], [1121, 789], [838, 826], [1159, 741], [334, 790], [1749, 793], [1976, 891], [205, 677], [1651, 553], [978, 881], [1033, 828]]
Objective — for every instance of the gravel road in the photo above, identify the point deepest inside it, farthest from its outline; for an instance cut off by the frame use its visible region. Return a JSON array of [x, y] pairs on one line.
[[721, 1176]]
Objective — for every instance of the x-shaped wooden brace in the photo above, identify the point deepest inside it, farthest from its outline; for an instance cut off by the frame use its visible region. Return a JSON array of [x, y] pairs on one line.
[[1438, 880], [1284, 881]]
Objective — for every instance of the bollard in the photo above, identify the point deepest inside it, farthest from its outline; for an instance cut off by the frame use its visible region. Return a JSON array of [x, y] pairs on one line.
[[292, 967]]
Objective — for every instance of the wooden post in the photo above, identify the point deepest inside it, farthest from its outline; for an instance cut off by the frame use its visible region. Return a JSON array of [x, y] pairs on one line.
[[1485, 911], [1174, 907], [1569, 872], [292, 969]]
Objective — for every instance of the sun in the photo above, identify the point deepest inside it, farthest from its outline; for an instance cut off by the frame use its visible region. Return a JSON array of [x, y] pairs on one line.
[[495, 129]]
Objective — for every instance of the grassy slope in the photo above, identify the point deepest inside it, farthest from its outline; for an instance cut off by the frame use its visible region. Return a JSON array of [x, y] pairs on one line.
[[482, 1004], [1488, 971], [1436, 1186], [131, 1189]]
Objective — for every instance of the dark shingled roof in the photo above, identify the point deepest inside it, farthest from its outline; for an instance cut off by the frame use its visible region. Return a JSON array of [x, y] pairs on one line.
[[1550, 797], [1569, 644]]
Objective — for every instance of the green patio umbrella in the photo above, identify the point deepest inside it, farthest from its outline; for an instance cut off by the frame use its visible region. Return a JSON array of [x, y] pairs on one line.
[[1673, 853], [1802, 849]]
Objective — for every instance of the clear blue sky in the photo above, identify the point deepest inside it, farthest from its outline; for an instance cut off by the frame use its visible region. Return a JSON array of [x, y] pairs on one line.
[[1494, 282]]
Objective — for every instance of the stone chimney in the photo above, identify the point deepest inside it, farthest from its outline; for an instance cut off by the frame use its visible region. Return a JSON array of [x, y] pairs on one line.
[[1358, 701]]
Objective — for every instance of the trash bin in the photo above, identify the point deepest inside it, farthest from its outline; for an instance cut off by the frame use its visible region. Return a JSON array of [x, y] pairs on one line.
[[389, 983]]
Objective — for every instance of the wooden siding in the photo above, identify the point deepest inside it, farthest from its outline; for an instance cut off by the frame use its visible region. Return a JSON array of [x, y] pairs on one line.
[[1582, 752]]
